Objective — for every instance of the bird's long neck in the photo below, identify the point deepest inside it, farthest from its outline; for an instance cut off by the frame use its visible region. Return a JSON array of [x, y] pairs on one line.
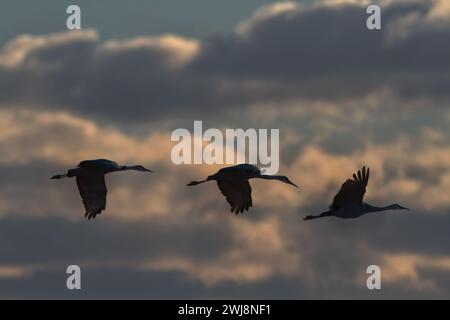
[[370, 208], [125, 168], [267, 177]]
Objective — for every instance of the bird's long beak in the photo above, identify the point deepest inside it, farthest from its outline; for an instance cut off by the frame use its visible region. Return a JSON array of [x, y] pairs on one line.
[[404, 208], [147, 170], [294, 184]]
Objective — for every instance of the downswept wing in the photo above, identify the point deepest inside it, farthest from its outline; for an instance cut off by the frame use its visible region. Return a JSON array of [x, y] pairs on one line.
[[93, 192], [238, 194], [352, 191]]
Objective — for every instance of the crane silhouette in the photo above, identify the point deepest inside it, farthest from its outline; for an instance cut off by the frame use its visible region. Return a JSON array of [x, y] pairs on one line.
[[234, 185], [348, 203], [90, 176]]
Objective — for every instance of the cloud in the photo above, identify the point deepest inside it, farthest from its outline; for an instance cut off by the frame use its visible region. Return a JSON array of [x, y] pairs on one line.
[[19, 52], [282, 53], [342, 99], [37, 145], [62, 139], [267, 243], [413, 181], [257, 249], [177, 50], [410, 268], [265, 13], [299, 50], [237, 251], [12, 272], [84, 76], [222, 256], [440, 11]]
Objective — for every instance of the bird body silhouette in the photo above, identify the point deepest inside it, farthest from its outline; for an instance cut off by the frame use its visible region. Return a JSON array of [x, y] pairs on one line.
[[348, 202], [90, 175], [234, 185]]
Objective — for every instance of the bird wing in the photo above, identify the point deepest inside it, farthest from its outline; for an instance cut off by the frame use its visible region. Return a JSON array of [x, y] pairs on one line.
[[352, 191], [238, 194], [93, 192]]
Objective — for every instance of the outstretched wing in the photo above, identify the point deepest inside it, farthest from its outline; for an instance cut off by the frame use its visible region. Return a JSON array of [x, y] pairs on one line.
[[238, 194], [93, 192], [352, 191]]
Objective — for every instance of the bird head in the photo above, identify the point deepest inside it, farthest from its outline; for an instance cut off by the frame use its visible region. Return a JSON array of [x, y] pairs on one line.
[[141, 168], [286, 180], [396, 206]]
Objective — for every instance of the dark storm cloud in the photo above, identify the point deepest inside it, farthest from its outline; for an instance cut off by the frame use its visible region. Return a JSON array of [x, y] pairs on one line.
[[317, 53]]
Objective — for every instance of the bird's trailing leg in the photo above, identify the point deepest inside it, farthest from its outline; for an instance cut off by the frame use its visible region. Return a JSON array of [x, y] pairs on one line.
[[59, 176], [323, 214], [194, 183]]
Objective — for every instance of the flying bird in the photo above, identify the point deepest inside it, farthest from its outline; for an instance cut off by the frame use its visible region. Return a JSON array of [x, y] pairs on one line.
[[90, 176], [348, 203], [234, 185]]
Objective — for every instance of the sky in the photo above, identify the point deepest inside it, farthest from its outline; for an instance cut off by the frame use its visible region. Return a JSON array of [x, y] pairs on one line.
[[341, 95]]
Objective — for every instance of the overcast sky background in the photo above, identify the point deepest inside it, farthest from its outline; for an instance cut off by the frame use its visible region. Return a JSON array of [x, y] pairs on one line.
[[341, 95]]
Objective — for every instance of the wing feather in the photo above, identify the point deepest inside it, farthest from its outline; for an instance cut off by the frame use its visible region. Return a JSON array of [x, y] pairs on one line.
[[93, 193], [238, 194], [352, 191]]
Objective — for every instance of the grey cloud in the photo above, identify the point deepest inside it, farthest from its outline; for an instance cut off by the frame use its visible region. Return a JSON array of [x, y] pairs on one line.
[[48, 241], [327, 52], [320, 54], [337, 259], [414, 232], [123, 283], [283, 58]]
